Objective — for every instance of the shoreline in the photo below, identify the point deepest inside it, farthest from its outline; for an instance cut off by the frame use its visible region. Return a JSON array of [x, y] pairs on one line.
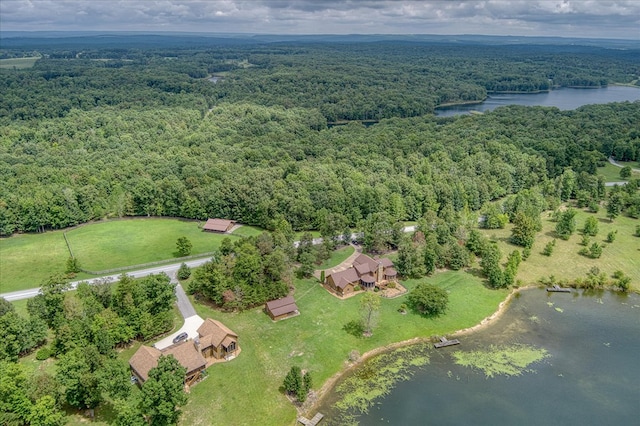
[[321, 393]]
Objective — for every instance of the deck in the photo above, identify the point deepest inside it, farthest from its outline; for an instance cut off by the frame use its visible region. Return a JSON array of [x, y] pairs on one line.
[[313, 422], [558, 289], [444, 342]]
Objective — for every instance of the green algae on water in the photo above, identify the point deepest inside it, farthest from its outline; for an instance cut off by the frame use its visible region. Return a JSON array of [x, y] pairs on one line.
[[501, 360], [377, 377]]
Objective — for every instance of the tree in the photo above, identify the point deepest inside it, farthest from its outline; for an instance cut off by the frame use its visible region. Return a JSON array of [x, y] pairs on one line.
[[409, 263], [524, 230], [45, 413], [76, 373], [614, 205], [428, 299], [183, 247], [293, 381], [490, 264], [50, 303], [548, 248], [184, 272], [590, 226], [72, 265], [163, 393], [566, 224], [369, 307], [625, 172]]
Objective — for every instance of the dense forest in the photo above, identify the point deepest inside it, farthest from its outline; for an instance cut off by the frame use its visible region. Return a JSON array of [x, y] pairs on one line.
[[95, 130], [102, 131]]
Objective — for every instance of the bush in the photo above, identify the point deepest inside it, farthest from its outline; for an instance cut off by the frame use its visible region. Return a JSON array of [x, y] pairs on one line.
[[611, 236], [637, 234], [428, 299], [44, 353], [184, 272], [548, 249]]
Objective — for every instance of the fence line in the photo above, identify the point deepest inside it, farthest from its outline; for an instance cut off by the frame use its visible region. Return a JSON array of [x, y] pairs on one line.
[[64, 234], [147, 265]]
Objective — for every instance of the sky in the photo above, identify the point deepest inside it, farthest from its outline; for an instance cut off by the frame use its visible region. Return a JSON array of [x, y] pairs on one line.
[[565, 18]]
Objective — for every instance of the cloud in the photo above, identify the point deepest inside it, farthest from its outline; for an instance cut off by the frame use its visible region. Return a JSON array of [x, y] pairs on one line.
[[586, 18]]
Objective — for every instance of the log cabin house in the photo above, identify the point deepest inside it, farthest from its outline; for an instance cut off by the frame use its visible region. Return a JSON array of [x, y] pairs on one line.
[[367, 273], [282, 308]]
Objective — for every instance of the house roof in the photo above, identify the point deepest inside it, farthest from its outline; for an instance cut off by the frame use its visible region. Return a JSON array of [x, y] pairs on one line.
[[278, 307], [218, 225], [213, 333], [144, 360], [343, 278], [368, 278], [390, 272], [187, 355]]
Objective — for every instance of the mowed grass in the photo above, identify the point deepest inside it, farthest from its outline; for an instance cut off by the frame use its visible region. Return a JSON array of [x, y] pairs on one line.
[[337, 257], [565, 262], [18, 63], [128, 242], [611, 173], [26, 260], [246, 391]]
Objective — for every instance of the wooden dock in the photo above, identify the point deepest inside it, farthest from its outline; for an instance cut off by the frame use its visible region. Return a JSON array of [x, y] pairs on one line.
[[313, 422], [444, 342], [558, 289]]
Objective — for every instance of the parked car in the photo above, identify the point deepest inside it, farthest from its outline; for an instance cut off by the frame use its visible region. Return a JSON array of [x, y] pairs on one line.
[[180, 338]]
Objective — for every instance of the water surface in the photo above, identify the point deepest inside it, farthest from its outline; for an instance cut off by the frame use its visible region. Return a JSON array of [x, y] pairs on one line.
[[591, 376], [564, 99]]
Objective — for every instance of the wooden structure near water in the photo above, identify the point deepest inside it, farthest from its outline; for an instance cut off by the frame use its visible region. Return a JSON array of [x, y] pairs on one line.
[[558, 289], [444, 342], [313, 422]]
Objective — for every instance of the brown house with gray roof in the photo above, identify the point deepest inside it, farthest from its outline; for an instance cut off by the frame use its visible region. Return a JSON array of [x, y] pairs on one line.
[[282, 308], [365, 272]]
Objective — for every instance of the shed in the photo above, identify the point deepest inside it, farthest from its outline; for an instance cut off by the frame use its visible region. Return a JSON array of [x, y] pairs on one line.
[[218, 225], [282, 308]]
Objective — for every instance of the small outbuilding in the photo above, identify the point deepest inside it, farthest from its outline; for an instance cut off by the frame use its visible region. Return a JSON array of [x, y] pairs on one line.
[[218, 225], [282, 308]]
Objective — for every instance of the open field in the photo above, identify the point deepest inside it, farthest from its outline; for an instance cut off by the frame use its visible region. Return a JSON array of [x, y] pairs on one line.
[[611, 173], [337, 257], [26, 260], [245, 390], [18, 63], [565, 262], [118, 243]]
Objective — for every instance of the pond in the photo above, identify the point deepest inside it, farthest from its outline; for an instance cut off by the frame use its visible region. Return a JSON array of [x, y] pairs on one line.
[[587, 371], [564, 99]]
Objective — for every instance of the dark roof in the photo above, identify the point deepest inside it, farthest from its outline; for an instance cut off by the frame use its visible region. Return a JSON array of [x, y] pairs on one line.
[[278, 307], [368, 278], [218, 225], [343, 278]]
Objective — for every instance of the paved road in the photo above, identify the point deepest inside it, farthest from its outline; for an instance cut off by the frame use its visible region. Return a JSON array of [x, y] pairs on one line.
[[615, 163], [170, 270]]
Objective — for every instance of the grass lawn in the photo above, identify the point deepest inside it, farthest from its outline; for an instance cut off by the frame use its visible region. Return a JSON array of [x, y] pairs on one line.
[[337, 257], [611, 173], [247, 231], [245, 390], [26, 260], [565, 262], [119, 243], [18, 63]]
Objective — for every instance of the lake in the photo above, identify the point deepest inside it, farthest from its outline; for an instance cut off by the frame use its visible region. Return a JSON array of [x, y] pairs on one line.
[[591, 375], [564, 99]]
